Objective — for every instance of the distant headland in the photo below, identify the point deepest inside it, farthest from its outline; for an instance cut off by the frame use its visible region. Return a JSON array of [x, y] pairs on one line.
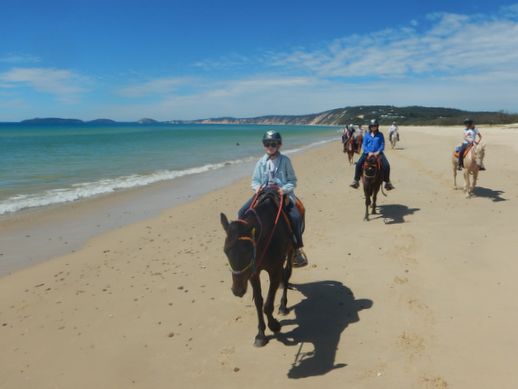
[[386, 114]]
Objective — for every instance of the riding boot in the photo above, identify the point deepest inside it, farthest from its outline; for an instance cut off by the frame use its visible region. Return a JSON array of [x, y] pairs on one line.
[[299, 259]]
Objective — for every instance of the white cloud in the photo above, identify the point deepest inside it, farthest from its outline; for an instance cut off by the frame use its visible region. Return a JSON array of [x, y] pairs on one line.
[[65, 85], [451, 45], [19, 58]]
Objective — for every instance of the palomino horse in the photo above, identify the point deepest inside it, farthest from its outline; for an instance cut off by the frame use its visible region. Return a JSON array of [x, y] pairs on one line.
[[371, 180], [394, 138], [262, 240], [473, 159]]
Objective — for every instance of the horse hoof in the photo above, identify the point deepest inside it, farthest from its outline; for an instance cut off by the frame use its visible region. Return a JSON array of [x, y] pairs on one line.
[[274, 326], [260, 341], [283, 311]]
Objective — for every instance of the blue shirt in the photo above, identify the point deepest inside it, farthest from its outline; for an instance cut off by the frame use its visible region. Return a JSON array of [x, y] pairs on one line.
[[373, 144]]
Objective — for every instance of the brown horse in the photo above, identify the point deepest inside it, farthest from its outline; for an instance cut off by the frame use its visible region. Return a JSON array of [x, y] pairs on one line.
[[349, 149], [352, 146], [371, 180], [262, 240], [473, 160]]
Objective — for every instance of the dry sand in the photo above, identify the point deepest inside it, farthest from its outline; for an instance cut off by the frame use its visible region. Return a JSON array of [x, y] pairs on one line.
[[422, 296]]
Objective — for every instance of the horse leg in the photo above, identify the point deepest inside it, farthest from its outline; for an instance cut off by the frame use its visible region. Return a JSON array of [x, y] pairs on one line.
[[286, 274], [374, 198], [260, 339], [466, 181], [275, 280], [475, 177], [454, 164], [367, 203]]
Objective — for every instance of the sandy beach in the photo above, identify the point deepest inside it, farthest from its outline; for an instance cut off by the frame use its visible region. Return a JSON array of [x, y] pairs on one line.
[[421, 296]]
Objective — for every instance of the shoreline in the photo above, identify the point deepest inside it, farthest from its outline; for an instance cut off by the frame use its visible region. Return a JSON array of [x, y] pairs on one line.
[[34, 235]]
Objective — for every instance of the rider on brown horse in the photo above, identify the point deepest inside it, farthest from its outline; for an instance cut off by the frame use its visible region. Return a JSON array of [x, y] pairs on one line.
[[373, 145], [275, 170]]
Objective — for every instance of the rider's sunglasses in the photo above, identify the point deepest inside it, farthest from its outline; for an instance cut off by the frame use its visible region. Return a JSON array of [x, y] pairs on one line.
[[270, 144]]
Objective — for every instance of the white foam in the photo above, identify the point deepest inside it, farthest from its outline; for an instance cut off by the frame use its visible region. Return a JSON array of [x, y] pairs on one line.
[[89, 189]]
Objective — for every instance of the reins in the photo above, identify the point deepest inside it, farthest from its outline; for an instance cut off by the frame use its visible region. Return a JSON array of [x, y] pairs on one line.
[[255, 264]]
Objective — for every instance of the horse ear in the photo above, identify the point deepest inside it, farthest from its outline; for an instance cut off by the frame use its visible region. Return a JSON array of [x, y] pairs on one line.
[[224, 222]]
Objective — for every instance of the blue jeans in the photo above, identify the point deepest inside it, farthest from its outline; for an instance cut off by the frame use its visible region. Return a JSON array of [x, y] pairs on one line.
[[385, 167], [462, 149], [293, 214]]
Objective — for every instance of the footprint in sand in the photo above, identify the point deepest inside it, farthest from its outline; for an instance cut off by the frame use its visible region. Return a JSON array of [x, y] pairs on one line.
[[422, 310], [404, 248], [411, 343], [434, 383], [225, 354]]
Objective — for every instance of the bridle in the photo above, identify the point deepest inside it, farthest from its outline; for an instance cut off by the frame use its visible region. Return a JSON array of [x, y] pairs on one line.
[[253, 263]]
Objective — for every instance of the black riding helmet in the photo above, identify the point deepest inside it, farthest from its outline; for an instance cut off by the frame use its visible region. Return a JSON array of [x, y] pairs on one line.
[[272, 135], [373, 123], [468, 122]]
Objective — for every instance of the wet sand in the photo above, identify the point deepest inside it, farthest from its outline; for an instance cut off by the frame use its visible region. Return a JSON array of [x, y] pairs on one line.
[[421, 296]]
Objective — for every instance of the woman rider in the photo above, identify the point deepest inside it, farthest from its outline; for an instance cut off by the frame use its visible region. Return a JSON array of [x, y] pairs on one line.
[[275, 170], [373, 145]]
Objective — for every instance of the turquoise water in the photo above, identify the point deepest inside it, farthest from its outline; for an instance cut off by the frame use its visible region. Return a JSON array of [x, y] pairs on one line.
[[51, 164]]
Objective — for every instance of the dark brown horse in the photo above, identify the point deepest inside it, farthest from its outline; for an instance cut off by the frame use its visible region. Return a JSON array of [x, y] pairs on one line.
[[262, 240], [371, 179]]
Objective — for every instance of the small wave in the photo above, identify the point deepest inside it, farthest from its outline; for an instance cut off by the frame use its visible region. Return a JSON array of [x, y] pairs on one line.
[[89, 189]]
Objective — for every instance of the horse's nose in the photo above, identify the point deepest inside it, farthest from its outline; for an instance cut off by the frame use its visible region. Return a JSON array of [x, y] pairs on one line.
[[239, 292]]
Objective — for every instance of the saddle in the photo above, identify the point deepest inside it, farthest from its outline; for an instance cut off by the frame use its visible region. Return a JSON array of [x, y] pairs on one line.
[[272, 194], [466, 151], [372, 162]]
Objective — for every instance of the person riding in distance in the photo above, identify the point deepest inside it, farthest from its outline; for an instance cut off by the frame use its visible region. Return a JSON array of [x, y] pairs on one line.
[[470, 136], [346, 134], [373, 145], [275, 170], [393, 129]]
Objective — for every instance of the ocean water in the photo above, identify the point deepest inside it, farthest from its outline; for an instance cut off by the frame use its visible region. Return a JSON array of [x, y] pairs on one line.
[[50, 164]]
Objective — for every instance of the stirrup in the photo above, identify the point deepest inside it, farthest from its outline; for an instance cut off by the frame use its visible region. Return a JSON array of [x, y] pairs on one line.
[[299, 259]]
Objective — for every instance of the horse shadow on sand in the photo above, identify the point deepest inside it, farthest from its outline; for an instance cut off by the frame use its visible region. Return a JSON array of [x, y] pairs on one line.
[[494, 195], [328, 308], [395, 213]]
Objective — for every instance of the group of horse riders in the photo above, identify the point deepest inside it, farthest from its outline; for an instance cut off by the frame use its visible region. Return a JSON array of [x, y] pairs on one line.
[[274, 169], [250, 252]]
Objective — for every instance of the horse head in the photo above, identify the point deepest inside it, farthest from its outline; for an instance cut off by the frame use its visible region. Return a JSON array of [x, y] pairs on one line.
[[240, 250], [371, 166], [478, 153]]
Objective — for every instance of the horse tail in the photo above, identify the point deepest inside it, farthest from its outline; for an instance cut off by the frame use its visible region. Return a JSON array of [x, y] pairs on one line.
[[382, 191]]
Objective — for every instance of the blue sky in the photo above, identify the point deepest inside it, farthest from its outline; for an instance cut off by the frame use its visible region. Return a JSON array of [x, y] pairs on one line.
[[195, 59]]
